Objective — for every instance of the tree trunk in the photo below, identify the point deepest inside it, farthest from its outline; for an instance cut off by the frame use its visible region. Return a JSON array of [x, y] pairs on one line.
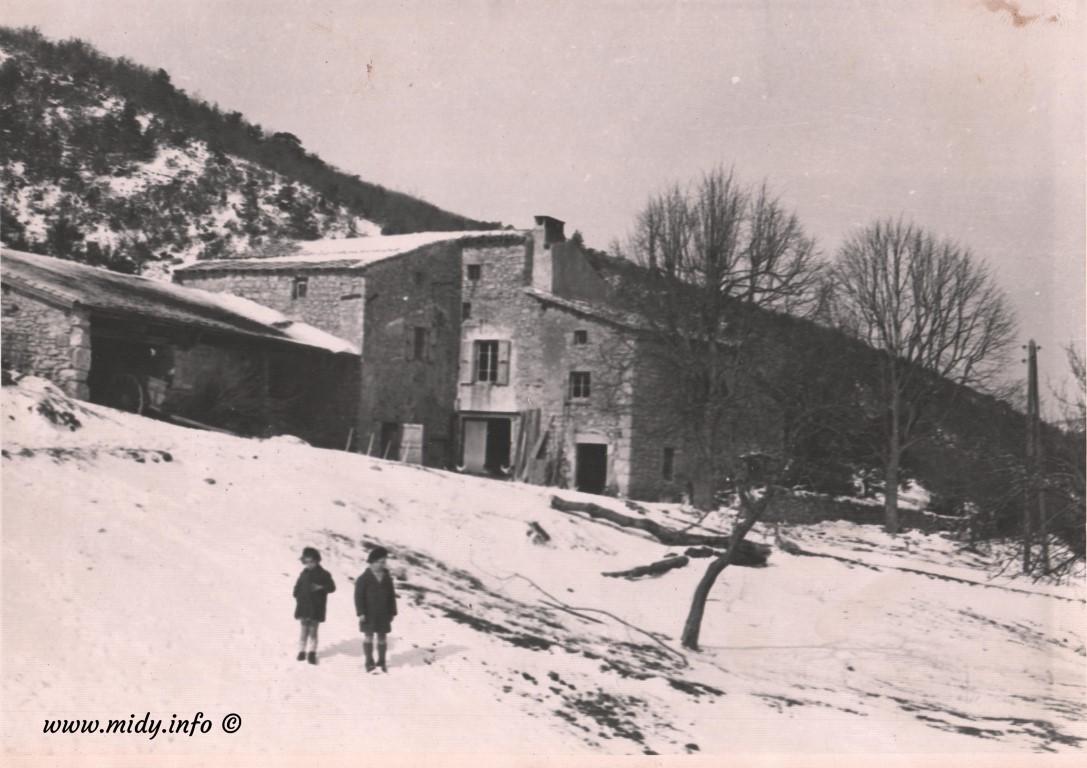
[[894, 457], [752, 510], [702, 490], [653, 569], [746, 553], [890, 494], [693, 626]]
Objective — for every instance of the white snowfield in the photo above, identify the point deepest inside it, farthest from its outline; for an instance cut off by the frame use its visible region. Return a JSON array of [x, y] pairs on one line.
[[148, 569]]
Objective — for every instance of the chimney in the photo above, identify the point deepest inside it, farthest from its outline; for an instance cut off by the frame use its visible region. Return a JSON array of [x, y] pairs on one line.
[[548, 231]]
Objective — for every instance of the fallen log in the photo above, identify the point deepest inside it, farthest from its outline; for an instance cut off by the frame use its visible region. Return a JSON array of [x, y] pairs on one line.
[[747, 553], [703, 552], [653, 569]]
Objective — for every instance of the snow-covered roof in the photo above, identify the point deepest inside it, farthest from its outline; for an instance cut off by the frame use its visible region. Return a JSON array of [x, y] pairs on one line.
[[70, 283], [348, 253]]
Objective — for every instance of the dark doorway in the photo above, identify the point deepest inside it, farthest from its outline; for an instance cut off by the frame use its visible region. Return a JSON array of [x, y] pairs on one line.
[[390, 440], [498, 446], [122, 371], [592, 467], [485, 445]]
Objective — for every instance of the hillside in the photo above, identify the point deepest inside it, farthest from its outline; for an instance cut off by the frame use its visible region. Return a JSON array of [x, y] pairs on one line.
[[148, 568], [105, 161]]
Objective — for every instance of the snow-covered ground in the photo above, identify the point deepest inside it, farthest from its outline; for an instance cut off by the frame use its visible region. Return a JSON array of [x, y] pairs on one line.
[[148, 568]]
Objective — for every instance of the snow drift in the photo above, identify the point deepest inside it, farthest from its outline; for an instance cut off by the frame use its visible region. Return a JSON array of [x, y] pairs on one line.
[[148, 569]]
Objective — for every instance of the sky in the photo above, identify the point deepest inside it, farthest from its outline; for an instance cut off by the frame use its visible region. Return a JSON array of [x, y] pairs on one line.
[[964, 116]]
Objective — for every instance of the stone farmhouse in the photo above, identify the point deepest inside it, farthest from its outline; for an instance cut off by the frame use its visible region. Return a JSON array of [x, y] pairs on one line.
[[186, 355], [495, 352]]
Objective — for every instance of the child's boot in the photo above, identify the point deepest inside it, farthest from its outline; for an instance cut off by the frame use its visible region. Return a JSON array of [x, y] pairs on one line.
[[368, 649], [301, 655], [311, 657]]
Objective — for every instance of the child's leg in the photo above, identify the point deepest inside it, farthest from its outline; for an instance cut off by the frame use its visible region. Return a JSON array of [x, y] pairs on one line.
[[368, 649], [381, 645], [313, 627], [303, 635]]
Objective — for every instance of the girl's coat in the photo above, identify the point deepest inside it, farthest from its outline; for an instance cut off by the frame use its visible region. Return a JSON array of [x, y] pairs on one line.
[[310, 603]]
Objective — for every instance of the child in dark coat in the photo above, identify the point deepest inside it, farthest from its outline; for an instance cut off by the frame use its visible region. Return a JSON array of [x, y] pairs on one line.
[[310, 600], [375, 605]]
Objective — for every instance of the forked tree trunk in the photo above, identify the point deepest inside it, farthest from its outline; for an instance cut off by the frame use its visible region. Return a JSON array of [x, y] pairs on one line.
[[752, 511], [692, 628]]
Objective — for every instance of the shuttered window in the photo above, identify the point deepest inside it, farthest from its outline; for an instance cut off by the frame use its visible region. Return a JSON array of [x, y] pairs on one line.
[[488, 361]]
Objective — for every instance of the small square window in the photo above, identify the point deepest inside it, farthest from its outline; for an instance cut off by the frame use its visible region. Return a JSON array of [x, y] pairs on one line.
[[299, 287], [475, 271], [668, 464], [579, 385], [581, 337], [466, 310]]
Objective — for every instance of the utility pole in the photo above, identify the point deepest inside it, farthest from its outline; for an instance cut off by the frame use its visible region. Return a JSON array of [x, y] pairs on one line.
[[1034, 492]]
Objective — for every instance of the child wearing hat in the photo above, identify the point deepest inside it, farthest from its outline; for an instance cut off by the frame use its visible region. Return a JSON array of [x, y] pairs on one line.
[[375, 605], [310, 599]]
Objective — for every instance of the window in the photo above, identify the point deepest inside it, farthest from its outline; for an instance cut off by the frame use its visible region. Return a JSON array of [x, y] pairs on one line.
[[668, 464], [419, 343], [581, 337], [487, 361], [466, 310], [579, 385], [475, 271], [299, 287]]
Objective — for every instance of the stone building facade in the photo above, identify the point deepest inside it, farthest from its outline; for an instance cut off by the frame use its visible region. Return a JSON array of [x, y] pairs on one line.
[[46, 337], [492, 352], [188, 356]]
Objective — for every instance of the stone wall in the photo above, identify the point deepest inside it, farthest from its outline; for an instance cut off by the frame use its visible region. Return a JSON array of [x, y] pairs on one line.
[[810, 508], [42, 339], [542, 355], [334, 300], [420, 289], [752, 423]]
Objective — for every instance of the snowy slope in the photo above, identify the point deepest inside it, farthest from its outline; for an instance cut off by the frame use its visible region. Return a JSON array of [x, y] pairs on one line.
[[148, 568], [107, 162]]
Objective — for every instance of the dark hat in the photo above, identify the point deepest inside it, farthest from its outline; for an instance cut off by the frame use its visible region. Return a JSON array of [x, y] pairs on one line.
[[311, 552], [377, 553]]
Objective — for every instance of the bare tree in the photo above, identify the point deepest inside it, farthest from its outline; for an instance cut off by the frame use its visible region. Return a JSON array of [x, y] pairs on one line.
[[710, 252], [714, 255], [934, 314], [755, 491]]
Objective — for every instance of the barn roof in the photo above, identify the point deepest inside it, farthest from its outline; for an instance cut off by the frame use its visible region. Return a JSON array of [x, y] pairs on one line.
[[349, 253], [71, 284]]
